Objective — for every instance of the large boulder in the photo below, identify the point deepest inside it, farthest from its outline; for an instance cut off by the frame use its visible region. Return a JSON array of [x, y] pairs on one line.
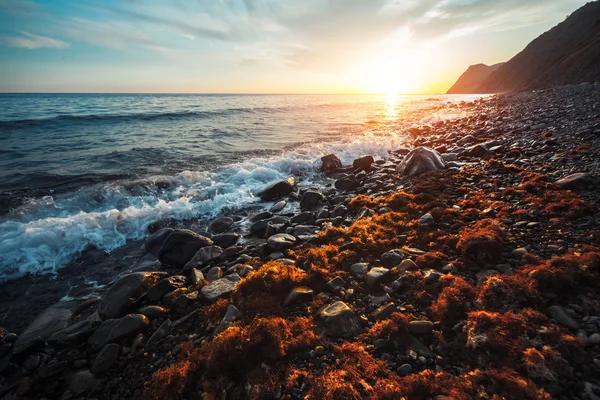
[[339, 320], [118, 300], [311, 198], [279, 189], [220, 225], [50, 321], [421, 159], [180, 246], [363, 163], [281, 241], [221, 287], [74, 334], [165, 286], [155, 241], [114, 330], [330, 163]]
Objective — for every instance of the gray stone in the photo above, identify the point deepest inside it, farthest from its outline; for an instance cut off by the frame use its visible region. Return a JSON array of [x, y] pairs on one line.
[[196, 277], [375, 276], [363, 162], [119, 298], [359, 270], [330, 163], [384, 311], [392, 258], [280, 205], [244, 270], [346, 184], [339, 320], [161, 332], [576, 181], [183, 301], [418, 347], [420, 160], [106, 358], [405, 369], [407, 265], [231, 315], [51, 320], [155, 241], [81, 383], [170, 297], [204, 256], [559, 315], [336, 284], [165, 286], [339, 211], [74, 334], [153, 312], [420, 327], [226, 239], [311, 198], [305, 230], [278, 190], [220, 225], [302, 218], [113, 330], [181, 245], [219, 288], [281, 241], [300, 294], [427, 220], [214, 273]]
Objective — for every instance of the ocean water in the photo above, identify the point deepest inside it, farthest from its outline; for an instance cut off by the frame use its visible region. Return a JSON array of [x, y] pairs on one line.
[[97, 169]]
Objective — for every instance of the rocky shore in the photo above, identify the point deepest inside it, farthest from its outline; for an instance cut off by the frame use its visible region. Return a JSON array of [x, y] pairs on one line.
[[466, 266]]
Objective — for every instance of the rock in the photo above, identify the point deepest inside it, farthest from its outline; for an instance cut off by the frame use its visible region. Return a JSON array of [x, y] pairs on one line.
[[244, 270], [219, 288], [196, 277], [421, 159], [204, 256], [183, 301], [106, 358], [231, 315], [420, 327], [359, 270], [161, 332], [5, 355], [594, 338], [346, 184], [74, 334], [214, 273], [10, 337], [181, 245], [418, 347], [405, 369], [81, 383], [51, 320], [113, 330], [339, 320], [165, 286], [119, 298], [310, 199], [155, 241], [302, 231], [302, 218], [576, 181], [407, 265], [170, 297], [375, 276], [335, 285], [477, 150], [392, 258], [153, 312], [363, 163], [339, 211], [466, 140], [281, 241], [519, 253], [384, 311], [330, 163], [300, 294], [220, 225], [559, 315], [278, 190], [225, 239], [427, 220], [280, 205]]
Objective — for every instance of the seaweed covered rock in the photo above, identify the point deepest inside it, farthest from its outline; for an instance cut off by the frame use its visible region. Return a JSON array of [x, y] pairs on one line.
[[421, 159]]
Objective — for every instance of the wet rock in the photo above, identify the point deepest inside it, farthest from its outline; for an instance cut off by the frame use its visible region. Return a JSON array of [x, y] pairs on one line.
[[339, 320], [196, 277], [113, 330], [311, 198], [155, 241], [407, 265], [405, 369], [225, 239], [420, 327], [427, 220], [421, 159], [82, 382], [153, 312], [339, 211], [170, 297], [392, 258], [51, 320], [204, 256], [244, 270], [219, 288], [106, 358], [220, 225], [278, 190], [301, 294], [559, 315], [477, 150], [384, 311], [346, 184], [181, 245], [165, 286], [375, 276], [577, 181], [119, 298], [359, 270], [305, 231], [281, 241], [214, 273], [363, 163], [231, 315], [280, 205], [302, 217], [183, 301], [330, 163], [74, 334], [335, 285], [161, 332]]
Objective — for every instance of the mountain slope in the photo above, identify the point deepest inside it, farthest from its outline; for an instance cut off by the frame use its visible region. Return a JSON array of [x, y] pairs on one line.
[[569, 53], [472, 78]]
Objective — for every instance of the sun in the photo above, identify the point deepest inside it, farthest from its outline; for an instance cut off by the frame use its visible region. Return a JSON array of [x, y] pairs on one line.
[[393, 74]]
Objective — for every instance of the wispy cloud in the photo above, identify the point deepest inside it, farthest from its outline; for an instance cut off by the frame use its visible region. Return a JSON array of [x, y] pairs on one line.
[[31, 41]]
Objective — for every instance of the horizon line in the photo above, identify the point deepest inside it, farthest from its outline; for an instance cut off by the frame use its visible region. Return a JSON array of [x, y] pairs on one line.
[[239, 94]]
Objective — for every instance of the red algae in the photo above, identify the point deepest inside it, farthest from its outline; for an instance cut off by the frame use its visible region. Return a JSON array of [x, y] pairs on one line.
[[481, 243], [453, 302]]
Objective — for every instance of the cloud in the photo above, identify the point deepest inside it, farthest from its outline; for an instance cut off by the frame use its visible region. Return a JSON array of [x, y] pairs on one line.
[[31, 41]]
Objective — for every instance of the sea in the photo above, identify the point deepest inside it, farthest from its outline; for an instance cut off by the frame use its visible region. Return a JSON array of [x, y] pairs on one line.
[[80, 170]]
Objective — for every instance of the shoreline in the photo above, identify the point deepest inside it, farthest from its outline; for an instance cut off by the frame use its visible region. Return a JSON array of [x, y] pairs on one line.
[[399, 322]]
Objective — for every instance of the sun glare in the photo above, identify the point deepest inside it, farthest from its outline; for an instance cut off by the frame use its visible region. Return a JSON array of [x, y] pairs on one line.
[[394, 75]]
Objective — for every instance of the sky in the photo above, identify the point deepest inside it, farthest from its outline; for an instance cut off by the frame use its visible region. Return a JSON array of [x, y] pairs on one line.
[[261, 46]]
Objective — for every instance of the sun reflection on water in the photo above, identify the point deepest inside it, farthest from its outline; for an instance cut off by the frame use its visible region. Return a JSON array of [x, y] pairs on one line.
[[391, 106]]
